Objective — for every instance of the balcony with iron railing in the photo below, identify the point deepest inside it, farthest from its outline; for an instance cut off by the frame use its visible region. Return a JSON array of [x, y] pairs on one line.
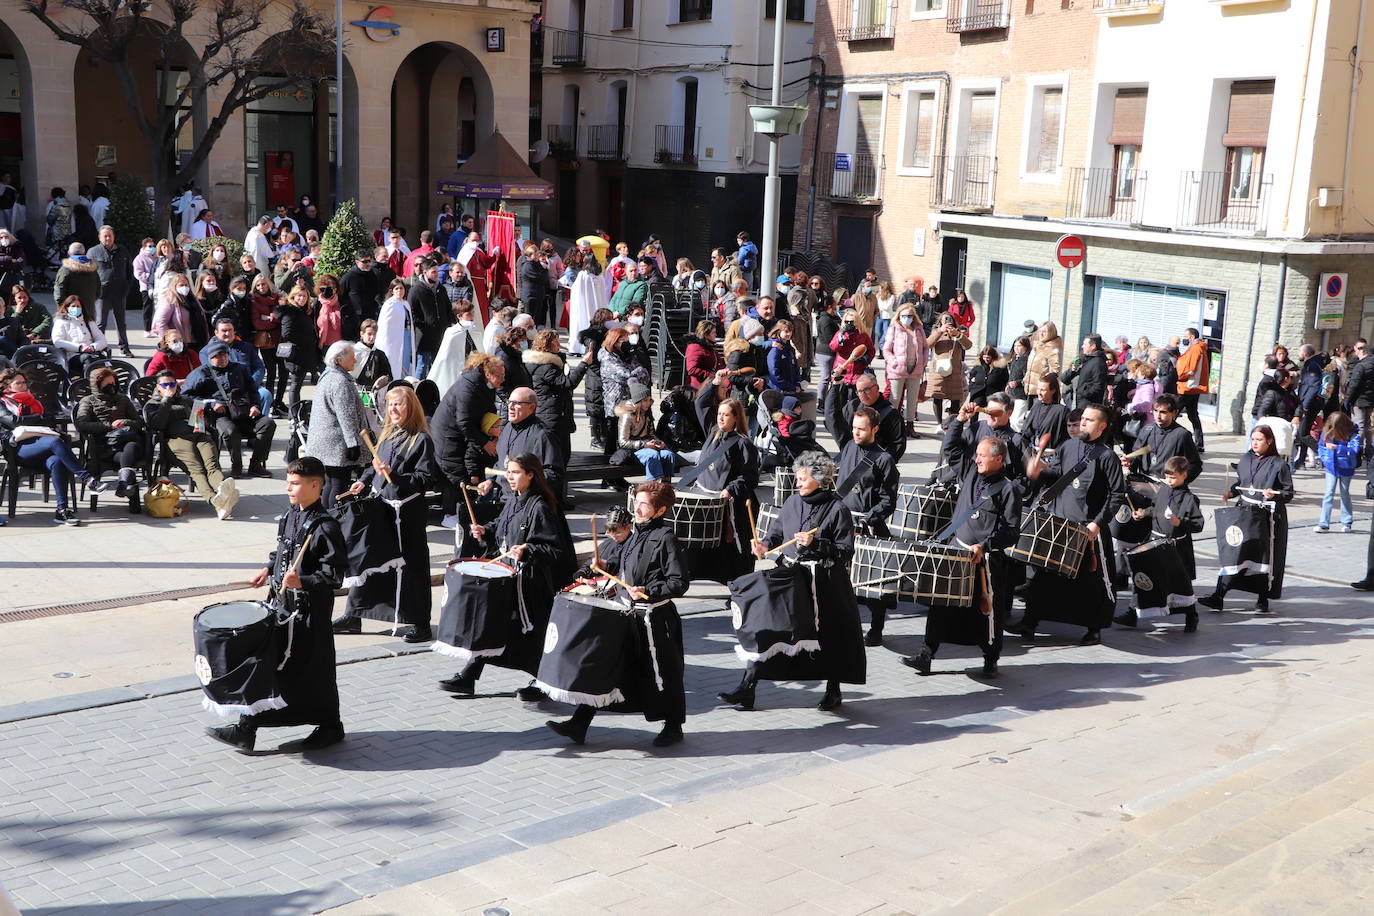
[[963, 182], [977, 15], [606, 142], [676, 144], [866, 20], [1114, 8], [1106, 195], [849, 176], [569, 48], [562, 141], [1226, 201]]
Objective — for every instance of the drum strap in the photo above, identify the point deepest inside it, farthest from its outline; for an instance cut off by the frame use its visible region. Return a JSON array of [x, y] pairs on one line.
[[959, 521], [854, 477], [396, 505], [653, 649], [1060, 485], [813, 565]]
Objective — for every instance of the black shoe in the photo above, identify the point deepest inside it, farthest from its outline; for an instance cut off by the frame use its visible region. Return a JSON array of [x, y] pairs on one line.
[[742, 698], [238, 736], [873, 638], [459, 684], [920, 661], [671, 734], [1212, 601], [135, 504], [569, 729], [1190, 622], [419, 634], [1262, 605], [1364, 585], [258, 469], [990, 668], [598, 444], [121, 489], [65, 517], [1127, 619], [831, 700], [323, 736], [530, 694], [1024, 630], [236, 472], [620, 485], [126, 352], [1091, 638], [346, 624]]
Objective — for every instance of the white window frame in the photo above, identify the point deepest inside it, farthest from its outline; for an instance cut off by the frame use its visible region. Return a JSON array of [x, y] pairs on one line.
[[918, 15], [847, 133], [910, 90], [1034, 86], [958, 117]]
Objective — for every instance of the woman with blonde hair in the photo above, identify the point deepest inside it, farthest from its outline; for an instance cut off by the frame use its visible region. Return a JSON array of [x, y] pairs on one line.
[[403, 470], [1046, 356]]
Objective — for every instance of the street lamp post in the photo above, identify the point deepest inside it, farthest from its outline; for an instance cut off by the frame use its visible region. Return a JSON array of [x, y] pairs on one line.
[[774, 121]]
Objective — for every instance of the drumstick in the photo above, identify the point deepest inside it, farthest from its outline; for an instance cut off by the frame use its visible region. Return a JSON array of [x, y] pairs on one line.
[[1040, 452], [749, 507], [596, 546], [506, 554], [858, 351], [744, 370], [367, 440], [618, 581], [472, 516], [296, 563], [785, 544], [1138, 452]]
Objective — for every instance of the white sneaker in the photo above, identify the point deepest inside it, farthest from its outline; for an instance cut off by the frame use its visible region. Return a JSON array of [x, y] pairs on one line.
[[1320, 529], [1346, 529], [227, 503]]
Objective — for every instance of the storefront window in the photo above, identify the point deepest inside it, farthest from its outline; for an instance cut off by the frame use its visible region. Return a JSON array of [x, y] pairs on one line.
[[285, 133]]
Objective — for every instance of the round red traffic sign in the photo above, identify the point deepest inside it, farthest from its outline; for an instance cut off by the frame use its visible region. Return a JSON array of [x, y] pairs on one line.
[[1070, 251]]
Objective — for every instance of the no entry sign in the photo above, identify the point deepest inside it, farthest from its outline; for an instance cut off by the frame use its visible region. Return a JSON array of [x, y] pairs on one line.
[[1070, 251]]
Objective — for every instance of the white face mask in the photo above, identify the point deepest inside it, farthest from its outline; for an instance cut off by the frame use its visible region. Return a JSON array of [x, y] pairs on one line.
[[219, 255], [908, 320], [176, 346], [467, 324], [634, 338], [209, 286], [637, 320], [184, 290]]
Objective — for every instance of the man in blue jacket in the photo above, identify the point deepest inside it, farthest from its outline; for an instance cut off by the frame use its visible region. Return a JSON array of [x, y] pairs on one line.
[[748, 257], [1311, 402]]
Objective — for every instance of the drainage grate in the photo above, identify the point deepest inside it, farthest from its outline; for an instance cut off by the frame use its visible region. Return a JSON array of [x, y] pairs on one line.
[[105, 604]]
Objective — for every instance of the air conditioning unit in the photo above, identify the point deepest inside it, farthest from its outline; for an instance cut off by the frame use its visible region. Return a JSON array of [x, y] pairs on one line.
[[720, 181], [1330, 197]]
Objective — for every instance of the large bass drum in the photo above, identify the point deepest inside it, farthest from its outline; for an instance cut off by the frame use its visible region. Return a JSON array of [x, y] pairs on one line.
[[923, 510], [478, 617], [1140, 494], [774, 613], [1245, 548], [238, 651], [589, 646]]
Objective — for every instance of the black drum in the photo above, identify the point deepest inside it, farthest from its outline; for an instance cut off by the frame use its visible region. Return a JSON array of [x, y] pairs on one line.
[[1161, 582], [883, 568], [1245, 548], [369, 531], [923, 510], [238, 651], [1052, 543], [774, 613], [945, 575], [1140, 494], [479, 610], [587, 650]]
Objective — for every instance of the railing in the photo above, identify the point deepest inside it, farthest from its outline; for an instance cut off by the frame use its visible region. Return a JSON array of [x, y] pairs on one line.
[[606, 142], [977, 15], [1106, 194], [853, 176], [562, 140], [1224, 201], [1128, 7], [865, 20], [569, 49], [676, 144], [964, 182]]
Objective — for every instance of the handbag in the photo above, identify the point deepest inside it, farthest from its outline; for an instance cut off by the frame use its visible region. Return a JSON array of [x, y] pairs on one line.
[[164, 499], [285, 349], [262, 339], [944, 366]]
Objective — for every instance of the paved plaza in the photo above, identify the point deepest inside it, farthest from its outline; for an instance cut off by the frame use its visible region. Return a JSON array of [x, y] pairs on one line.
[[1159, 772]]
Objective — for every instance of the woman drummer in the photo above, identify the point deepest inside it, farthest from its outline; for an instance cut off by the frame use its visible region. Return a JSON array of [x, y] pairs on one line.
[[531, 531], [819, 529], [653, 565], [402, 470], [1262, 476], [729, 466]]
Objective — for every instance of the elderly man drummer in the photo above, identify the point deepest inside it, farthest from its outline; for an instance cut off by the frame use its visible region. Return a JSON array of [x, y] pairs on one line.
[[988, 515]]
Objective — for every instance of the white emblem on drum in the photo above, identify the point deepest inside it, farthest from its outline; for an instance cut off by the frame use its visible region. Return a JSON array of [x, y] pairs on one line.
[[1143, 582], [736, 614], [1077, 484], [203, 669], [1123, 514], [550, 637], [1234, 536]]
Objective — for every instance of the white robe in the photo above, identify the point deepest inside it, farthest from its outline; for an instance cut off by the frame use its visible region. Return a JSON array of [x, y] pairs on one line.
[[391, 337], [453, 352], [588, 295]]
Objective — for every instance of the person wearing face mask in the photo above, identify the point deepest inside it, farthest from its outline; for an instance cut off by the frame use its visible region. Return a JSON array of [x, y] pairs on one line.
[[946, 379], [76, 333], [905, 354], [174, 309], [359, 292], [635, 289], [114, 427], [24, 319], [329, 317], [77, 277], [554, 382], [170, 414], [173, 356], [299, 351], [211, 297], [1095, 489], [510, 349], [237, 308], [217, 262], [460, 341], [617, 370], [746, 358]]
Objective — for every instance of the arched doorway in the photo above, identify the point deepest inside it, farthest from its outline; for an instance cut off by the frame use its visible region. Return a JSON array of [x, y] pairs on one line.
[[16, 127], [108, 138], [290, 136], [442, 106]]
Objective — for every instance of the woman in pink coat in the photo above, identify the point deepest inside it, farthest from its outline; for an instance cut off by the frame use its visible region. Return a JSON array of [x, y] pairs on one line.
[[905, 354]]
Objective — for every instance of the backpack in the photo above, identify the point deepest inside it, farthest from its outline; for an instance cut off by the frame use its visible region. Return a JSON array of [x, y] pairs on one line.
[[1328, 383]]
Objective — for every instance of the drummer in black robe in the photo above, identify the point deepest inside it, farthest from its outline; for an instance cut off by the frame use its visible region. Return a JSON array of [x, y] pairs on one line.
[[1094, 493], [868, 485], [619, 524], [654, 566], [989, 516], [302, 582], [1166, 438], [729, 465], [819, 531], [534, 535], [965, 432], [1263, 477], [401, 473], [1175, 514], [1048, 423]]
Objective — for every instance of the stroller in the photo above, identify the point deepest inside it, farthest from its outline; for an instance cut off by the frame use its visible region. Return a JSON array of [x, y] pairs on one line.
[[299, 431]]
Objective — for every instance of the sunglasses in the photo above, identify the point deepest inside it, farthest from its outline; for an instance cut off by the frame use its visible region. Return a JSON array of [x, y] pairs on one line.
[[166, 384]]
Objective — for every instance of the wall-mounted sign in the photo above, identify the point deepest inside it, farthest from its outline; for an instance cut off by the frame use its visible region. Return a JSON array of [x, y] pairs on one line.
[[496, 39], [378, 25], [842, 162], [105, 157], [1331, 302]]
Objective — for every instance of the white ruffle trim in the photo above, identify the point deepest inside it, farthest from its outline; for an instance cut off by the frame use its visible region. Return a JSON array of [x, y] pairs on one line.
[[229, 710], [597, 700], [1175, 603], [778, 648], [464, 655], [1245, 567], [360, 578]]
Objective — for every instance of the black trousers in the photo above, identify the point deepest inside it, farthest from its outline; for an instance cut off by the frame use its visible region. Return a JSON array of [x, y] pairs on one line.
[[231, 433], [104, 308], [337, 480], [1188, 406]]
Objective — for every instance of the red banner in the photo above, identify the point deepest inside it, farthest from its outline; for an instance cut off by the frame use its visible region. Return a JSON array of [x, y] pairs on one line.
[[501, 234]]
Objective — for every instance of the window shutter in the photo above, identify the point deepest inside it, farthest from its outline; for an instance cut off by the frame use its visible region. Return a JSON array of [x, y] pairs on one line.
[[1247, 124], [982, 111], [868, 129], [1052, 102], [925, 127], [1128, 118]]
